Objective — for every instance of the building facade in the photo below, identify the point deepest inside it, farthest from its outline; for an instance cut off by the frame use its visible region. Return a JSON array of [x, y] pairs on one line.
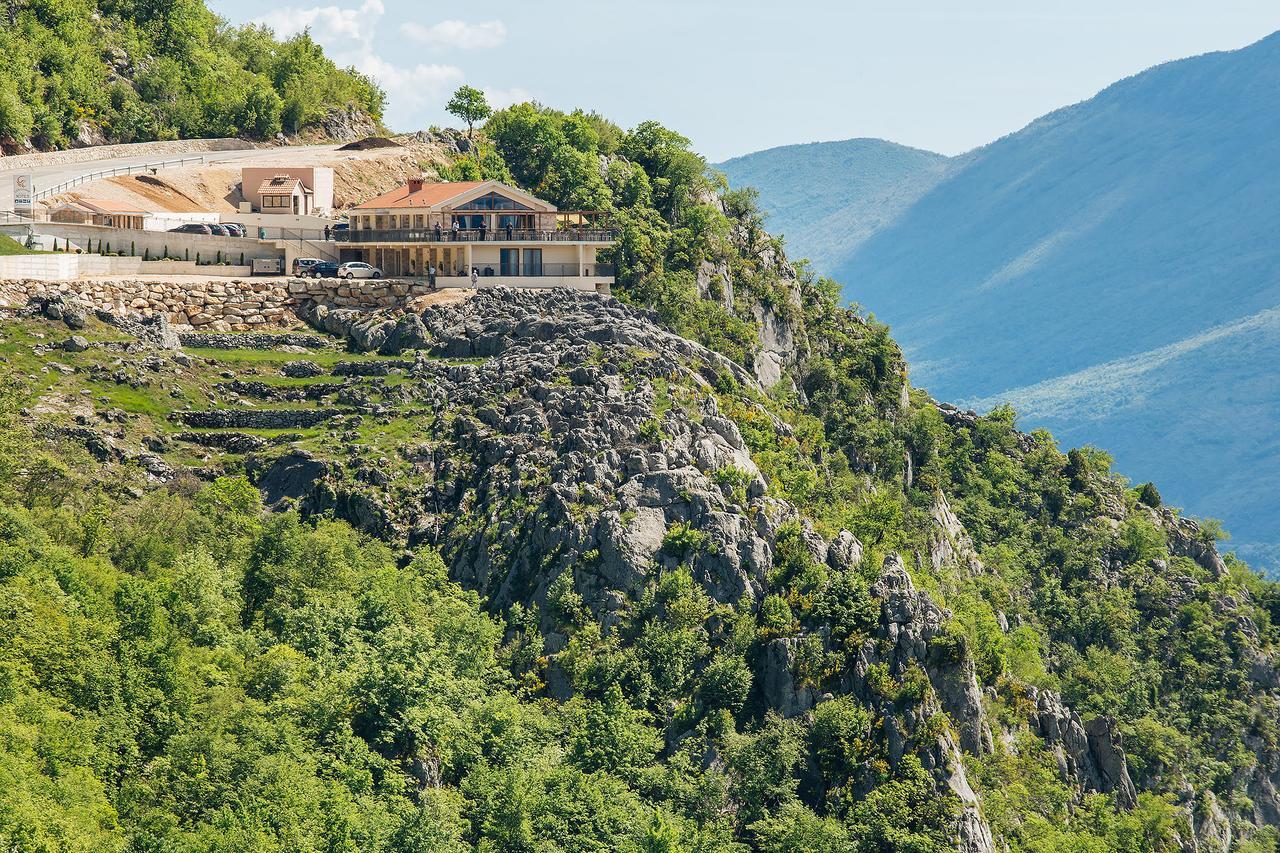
[[502, 234], [293, 190], [96, 211]]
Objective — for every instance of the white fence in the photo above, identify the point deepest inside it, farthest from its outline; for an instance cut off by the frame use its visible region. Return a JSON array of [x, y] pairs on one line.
[[63, 266]]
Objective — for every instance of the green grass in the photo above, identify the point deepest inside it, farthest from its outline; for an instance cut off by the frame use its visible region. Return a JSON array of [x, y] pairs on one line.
[[324, 358], [10, 246]]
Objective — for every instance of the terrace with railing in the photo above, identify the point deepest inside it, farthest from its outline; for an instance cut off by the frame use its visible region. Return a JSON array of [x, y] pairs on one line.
[[476, 235]]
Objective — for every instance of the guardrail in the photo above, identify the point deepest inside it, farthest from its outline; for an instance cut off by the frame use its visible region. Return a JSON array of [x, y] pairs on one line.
[[136, 168], [501, 235], [546, 270]]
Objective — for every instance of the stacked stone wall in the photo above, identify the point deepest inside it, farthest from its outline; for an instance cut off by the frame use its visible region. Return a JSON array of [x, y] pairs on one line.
[[234, 305]]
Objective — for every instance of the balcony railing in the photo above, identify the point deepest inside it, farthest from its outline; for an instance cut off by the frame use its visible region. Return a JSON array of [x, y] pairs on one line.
[[534, 270], [501, 235]]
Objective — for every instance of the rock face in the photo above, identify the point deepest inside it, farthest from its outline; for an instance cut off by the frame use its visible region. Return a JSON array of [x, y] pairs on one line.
[[565, 435], [909, 623], [1090, 754], [293, 475]]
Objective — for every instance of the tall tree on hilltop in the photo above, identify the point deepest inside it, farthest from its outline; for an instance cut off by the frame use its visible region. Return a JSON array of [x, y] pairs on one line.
[[469, 104]]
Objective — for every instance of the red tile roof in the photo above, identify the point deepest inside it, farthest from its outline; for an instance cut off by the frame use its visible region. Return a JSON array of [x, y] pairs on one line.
[[429, 195], [280, 184]]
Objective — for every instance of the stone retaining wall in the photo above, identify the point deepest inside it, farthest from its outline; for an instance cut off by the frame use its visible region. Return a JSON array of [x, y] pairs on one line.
[[236, 305]]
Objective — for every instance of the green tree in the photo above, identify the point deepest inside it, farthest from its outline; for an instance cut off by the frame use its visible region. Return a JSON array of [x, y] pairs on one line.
[[469, 104]]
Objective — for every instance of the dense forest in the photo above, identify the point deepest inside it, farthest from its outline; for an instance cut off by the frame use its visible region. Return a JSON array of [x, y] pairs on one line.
[[79, 72], [181, 668]]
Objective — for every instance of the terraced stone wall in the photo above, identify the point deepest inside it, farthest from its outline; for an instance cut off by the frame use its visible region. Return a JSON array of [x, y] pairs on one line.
[[235, 305]]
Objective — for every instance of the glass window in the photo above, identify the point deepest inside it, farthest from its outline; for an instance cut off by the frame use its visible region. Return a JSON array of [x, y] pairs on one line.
[[510, 262], [532, 262], [493, 201]]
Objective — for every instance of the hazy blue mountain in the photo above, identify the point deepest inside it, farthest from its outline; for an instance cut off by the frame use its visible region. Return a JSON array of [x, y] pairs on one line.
[[827, 198], [1114, 270]]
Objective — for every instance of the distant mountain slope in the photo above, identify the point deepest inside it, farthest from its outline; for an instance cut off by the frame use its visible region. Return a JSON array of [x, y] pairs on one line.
[[829, 197], [1103, 234]]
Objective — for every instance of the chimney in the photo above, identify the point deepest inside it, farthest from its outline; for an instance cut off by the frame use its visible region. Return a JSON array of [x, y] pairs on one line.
[[415, 185]]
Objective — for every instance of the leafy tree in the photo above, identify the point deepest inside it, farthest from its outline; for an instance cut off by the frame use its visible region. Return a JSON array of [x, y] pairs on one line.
[[469, 104]]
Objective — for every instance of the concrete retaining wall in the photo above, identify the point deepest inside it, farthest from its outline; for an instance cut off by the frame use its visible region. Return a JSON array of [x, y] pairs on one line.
[[59, 266], [123, 239]]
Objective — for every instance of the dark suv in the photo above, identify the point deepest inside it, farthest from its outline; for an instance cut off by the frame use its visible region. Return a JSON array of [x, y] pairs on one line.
[[324, 269]]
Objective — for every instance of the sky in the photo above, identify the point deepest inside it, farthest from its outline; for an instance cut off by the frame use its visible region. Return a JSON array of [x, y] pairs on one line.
[[746, 75]]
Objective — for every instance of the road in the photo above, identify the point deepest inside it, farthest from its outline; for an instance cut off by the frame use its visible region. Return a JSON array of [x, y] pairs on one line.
[[54, 174]]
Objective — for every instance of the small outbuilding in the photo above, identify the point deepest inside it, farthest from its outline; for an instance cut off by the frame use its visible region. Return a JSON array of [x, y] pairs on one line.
[[97, 211]]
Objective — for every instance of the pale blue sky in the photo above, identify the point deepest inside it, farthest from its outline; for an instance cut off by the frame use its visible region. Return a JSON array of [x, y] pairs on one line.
[[740, 76]]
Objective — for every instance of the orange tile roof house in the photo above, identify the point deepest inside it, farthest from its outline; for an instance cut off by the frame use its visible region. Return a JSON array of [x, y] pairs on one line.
[[300, 191], [503, 234]]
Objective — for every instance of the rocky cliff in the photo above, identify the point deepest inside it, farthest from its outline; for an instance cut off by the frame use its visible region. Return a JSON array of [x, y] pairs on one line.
[[567, 455]]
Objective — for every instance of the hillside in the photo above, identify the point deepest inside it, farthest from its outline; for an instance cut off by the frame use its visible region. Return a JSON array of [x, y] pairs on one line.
[[84, 72], [552, 571], [358, 176], [827, 198], [1117, 230]]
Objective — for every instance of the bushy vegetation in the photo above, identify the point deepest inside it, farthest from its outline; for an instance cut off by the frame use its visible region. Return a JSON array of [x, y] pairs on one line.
[[129, 71], [181, 670]]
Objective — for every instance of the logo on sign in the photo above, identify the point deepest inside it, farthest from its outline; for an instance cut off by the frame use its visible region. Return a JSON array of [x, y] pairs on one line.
[[23, 191]]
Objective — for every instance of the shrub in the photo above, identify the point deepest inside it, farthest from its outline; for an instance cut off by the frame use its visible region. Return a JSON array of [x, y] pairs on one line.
[[651, 431], [735, 481], [683, 540], [776, 619], [1149, 495]]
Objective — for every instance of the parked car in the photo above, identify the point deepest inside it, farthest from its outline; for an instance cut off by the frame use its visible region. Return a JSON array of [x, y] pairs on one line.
[[358, 269], [192, 228], [301, 265], [235, 229], [325, 269], [340, 226], [219, 230]]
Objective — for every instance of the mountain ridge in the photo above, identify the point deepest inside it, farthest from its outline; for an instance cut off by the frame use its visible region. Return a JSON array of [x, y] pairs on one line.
[[1104, 230]]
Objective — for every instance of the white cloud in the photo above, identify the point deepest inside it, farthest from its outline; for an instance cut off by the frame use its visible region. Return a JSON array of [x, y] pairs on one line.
[[457, 34], [332, 26], [347, 35], [499, 98], [411, 87]]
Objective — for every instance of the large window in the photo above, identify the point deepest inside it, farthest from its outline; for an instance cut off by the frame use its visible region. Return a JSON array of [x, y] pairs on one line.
[[510, 264], [493, 201], [532, 262]]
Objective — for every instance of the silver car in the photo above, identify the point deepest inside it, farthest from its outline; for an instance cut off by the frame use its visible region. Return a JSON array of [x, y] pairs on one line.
[[358, 269]]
